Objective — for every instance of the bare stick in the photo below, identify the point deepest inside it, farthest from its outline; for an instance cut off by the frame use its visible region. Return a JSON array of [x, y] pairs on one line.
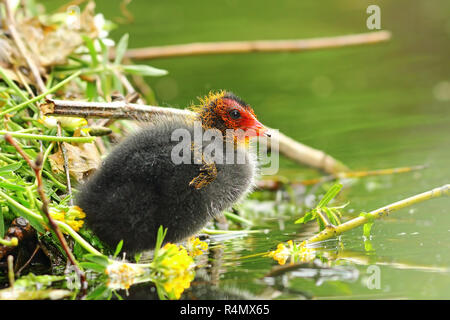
[[257, 46], [124, 110], [27, 263], [11, 25], [304, 154], [37, 168], [111, 110]]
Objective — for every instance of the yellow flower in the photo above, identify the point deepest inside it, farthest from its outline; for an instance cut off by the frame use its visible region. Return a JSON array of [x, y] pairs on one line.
[[73, 217], [281, 254], [122, 275], [176, 269], [178, 284], [176, 258], [296, 253], [196, 247]]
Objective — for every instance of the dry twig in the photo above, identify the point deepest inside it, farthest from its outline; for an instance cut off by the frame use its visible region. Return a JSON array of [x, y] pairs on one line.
[[182, 50], [11, 25], [36, 166]]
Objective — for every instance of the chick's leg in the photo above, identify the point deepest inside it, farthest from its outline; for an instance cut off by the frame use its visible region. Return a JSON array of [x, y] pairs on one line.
[[208, 173], [208, 170]]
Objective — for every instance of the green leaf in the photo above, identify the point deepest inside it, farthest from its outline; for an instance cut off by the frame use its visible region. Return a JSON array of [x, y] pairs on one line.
[[105, 55], [331, 216], [102, 292], [91, 91], [331, 193], [118, 296], [11, 167], [320, 223], [118, 248], [121, 48], [367, 227], [307, 217], [159, 240], [101, 260], [91, 47], [368, 247], [2, 223], [144, 70], [11, 186], [92, 266], [137, 257]]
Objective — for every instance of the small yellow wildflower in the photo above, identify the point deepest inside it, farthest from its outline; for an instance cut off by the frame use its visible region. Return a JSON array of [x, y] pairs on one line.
[[281, 254], [296, 253], [177, 269], [73, 217], [177, 257], [122, 275], [56, 214], [177, 285], [196, 247]]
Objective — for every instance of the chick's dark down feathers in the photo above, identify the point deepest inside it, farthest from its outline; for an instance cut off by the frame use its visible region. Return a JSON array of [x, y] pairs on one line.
[[138, 188]]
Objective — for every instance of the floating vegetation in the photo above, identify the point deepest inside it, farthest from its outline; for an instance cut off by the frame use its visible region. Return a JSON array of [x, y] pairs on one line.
[[328, 219]]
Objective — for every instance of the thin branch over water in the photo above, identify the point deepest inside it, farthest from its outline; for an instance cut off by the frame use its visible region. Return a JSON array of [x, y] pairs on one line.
[[296, 45]]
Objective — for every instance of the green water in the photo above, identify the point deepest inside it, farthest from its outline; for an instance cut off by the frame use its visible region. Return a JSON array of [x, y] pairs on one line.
[[377, 106]]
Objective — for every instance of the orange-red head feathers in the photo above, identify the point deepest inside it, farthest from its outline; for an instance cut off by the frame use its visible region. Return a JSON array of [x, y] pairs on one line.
[[223, 110]]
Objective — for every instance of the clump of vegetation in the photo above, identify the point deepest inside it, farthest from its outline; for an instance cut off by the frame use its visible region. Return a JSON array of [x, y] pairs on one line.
[[42, 158]]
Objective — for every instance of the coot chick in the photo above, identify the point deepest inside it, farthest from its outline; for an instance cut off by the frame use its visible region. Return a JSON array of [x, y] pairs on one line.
[[141, 185]]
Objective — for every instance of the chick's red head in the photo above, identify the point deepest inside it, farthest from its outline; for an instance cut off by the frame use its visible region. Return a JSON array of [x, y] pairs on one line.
[[226, 111]]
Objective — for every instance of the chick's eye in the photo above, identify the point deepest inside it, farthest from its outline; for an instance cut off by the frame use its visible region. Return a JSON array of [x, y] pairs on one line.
[[235, 114]]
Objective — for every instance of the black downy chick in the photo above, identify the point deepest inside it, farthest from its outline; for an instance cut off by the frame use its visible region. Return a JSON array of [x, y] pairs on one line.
[[139, 187]]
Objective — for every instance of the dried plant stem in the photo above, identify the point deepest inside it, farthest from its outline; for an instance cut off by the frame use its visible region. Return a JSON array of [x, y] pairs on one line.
[[304, 154], [124, 110], [112, 110], [36, 166], [257, 46], [330, 232], [27, 263], [11, 25]]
